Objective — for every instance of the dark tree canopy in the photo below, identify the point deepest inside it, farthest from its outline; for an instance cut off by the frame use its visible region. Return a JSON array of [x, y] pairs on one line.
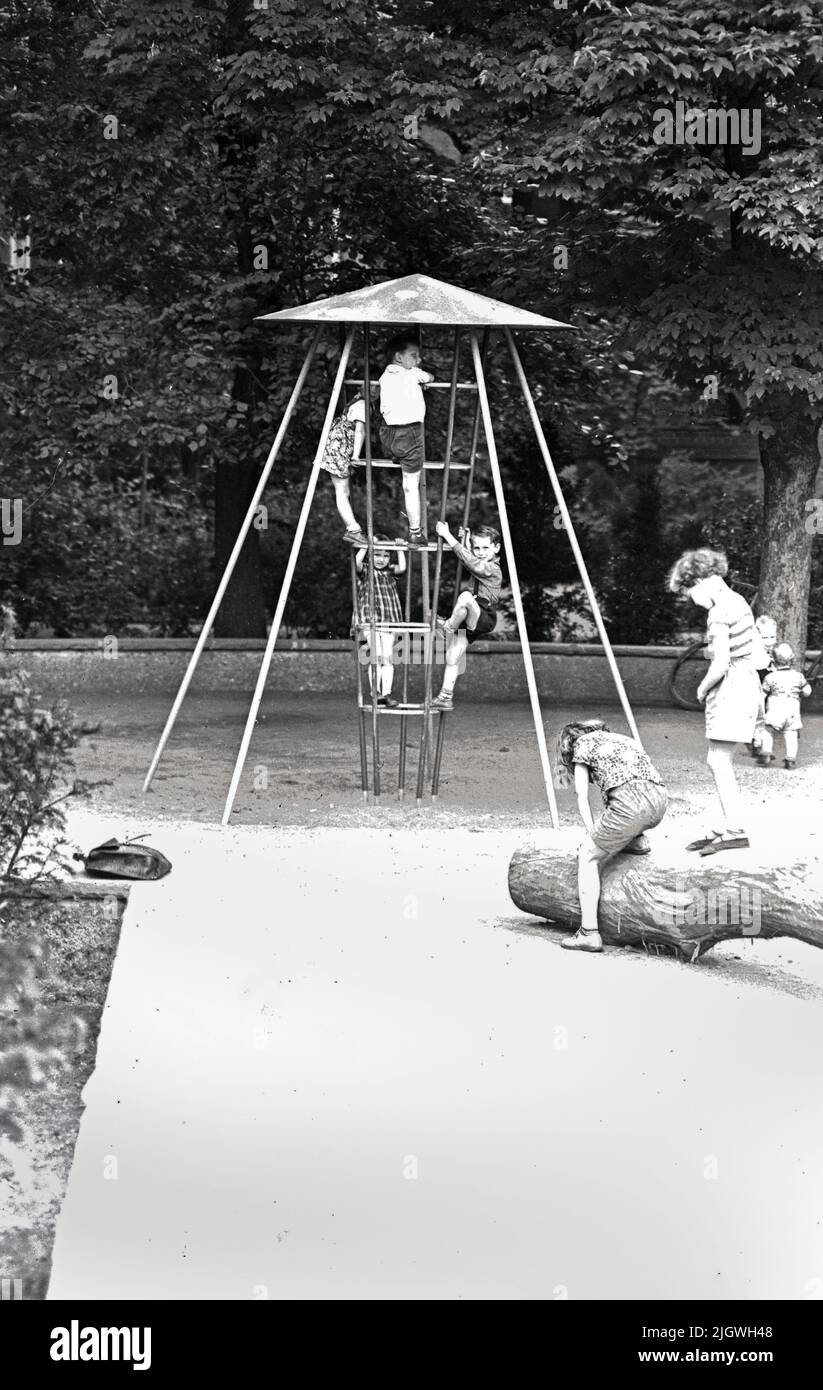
[[183, 167]]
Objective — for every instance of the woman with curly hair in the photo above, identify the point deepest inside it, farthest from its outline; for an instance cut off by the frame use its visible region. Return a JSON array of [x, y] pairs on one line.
[[634, 800], [730, 687]]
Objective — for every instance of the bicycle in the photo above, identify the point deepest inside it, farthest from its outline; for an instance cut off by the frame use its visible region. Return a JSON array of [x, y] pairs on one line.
[[690, 668]]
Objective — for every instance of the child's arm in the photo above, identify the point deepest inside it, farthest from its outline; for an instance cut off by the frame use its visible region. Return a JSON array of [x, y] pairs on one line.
[[425, 378], [805, 689], [359, 439], [581, 787], [720, 662], [482, 568], [400, 562], [359, 558]]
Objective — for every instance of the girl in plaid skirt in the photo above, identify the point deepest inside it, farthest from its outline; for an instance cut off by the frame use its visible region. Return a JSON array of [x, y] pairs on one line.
[[386, 610]]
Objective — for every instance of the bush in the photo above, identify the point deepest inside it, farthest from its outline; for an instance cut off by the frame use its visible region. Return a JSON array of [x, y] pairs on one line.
[[84, 567], [36, 767]]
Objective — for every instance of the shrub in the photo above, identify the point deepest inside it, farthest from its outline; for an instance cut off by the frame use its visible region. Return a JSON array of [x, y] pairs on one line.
[[36, 767]]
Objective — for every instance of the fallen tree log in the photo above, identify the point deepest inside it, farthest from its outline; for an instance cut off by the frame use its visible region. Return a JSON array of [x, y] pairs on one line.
[[685, 906]]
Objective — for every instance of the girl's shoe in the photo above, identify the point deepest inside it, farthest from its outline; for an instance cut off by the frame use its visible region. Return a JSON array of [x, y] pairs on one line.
[[789, 763], [355, 537], [417, 540], [723, 842], [764, 759], [387, 701], [583, 941], [443, 701]]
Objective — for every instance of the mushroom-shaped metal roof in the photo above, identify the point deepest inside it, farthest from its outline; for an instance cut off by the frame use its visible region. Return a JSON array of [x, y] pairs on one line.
[[414, 299]]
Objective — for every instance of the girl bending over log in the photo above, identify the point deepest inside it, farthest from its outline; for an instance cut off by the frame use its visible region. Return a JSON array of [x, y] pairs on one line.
[[634, 800]]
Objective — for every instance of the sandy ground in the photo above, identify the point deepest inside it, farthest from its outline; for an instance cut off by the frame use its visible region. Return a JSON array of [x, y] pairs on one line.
[[336, 1062], [307, 749]]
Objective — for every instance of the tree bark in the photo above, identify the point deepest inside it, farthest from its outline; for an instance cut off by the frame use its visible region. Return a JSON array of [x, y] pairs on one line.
[[790, 465], [241, 613], [648, 902]]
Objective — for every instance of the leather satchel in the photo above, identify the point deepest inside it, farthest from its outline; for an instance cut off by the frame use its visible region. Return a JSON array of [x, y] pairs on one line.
[[126, 859]]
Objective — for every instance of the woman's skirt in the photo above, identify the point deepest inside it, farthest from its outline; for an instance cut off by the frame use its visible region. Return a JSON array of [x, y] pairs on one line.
[[733, 704]]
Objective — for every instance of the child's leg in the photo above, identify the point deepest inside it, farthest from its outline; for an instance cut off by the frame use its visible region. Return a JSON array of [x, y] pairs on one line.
[[385, 652], [411, 495], [344, 507], [455, 652], [792, 739], [465, 613], [366, 651], [766, 741], [720, 758], [589, 858]]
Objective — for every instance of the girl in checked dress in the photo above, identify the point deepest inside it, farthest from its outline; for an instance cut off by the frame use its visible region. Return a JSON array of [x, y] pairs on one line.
[[386, 610]]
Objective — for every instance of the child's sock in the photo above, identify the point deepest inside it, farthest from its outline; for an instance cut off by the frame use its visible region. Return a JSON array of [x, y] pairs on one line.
[[449, 680]]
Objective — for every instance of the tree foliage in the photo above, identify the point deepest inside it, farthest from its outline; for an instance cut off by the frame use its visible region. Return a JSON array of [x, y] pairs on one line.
[[186, 167]]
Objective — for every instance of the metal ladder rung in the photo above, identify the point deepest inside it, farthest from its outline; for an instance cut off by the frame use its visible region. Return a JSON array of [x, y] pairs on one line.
[[431, 546], [430, 385], [436, 464], [402, 709], [392, 627]]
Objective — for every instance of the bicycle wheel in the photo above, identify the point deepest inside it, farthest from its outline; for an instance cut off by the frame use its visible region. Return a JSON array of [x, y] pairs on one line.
[[686, 675]]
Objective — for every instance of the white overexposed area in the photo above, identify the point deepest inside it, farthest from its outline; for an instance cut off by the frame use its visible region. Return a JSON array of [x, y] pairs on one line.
[[339, 1063]]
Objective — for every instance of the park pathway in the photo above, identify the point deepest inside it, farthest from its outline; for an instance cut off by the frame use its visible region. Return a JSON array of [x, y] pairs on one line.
[[330, 1067]]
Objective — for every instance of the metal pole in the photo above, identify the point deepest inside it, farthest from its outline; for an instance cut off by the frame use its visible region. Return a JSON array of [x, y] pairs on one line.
[[232, 561], [472, 462], [427, 739], [567, 522], [515, 583], [361, 725], [287, 579], [374, 669], [408, 646], [438, 755]]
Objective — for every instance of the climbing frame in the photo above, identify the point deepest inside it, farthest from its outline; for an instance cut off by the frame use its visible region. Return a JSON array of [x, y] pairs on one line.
[[415, 301]]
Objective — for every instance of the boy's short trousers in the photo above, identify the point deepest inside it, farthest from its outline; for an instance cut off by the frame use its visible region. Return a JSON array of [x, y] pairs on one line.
[[629, 810], [404, 445], [486, 623]]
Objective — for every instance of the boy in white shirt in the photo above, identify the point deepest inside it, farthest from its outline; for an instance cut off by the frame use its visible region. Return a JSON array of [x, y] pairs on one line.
[[403, 408]]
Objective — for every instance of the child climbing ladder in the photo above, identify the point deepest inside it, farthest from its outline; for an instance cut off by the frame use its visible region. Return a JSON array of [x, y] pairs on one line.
[[475, 613]]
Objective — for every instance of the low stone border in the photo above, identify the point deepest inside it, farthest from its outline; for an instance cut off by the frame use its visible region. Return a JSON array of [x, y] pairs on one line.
[[567, 673], [59, 942]]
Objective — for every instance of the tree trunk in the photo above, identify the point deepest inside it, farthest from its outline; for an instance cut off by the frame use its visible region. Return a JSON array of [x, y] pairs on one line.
[[241, 613], [686, 908], [790, 465]]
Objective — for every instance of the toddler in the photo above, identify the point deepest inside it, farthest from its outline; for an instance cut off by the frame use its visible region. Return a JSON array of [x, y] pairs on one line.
[[386, 610], [783, 688]]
